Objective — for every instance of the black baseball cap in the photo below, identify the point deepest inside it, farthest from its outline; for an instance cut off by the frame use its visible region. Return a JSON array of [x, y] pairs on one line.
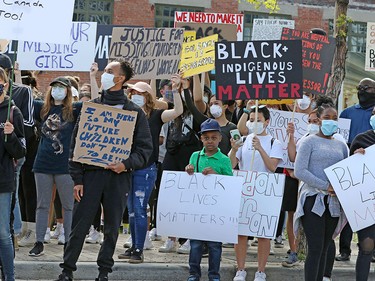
[[5, 62], [62, 80]]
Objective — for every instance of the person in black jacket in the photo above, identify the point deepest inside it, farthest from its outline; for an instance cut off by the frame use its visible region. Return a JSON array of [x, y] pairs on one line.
[[12, 146], [110, 187]]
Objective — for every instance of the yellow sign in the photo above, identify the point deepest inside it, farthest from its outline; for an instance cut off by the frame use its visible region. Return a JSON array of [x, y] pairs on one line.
[[273, 101], [198, 56], [189, 36]]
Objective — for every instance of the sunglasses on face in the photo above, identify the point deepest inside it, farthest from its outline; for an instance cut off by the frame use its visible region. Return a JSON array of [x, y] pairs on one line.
[[364, 87]]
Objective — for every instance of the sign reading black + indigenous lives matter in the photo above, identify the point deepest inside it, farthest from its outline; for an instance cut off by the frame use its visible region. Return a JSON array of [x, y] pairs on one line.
[[317, 56], [258, 70]]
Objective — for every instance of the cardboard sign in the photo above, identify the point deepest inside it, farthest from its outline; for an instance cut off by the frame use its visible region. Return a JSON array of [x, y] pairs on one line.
[[105, 135], [262, 195], [36, 20], [353, 180], [189, 36], [278, 101], [278, 125], [154, 53], [78, 55], [225, 32], [199, 207], [212, 19], [258, 70], [198, 56], [370, 47], [269, 29], [317, 56], [3, 45]]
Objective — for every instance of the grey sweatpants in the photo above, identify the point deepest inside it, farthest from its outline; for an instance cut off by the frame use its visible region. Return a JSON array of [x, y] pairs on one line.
[[44, 186]]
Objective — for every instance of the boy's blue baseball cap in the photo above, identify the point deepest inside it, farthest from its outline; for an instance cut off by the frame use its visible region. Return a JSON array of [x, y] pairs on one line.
[[210, 125]]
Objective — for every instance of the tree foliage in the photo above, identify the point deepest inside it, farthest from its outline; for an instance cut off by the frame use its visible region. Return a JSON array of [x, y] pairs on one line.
[[271, 5]]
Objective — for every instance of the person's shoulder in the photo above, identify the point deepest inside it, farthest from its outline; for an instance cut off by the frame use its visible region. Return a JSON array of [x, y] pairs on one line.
[[231, 126]]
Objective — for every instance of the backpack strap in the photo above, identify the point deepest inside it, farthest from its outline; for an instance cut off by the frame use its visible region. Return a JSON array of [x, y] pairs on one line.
[[272, 141], [199, 155], [11, 113]]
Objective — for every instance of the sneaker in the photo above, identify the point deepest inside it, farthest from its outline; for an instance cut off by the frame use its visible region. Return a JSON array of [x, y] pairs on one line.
[[128, 243], [58, 229], [47, 236], [28, 239], [240, 275], [168, 247], [326, 279], [93, 237], [154, 236], [136, 257], [254, 243], [148, 243], [184, 248], [228, 245], [102, 278], [193, 278], [64, 277], [61, 238], [272, 250], [127, 254], [260, 276], [279, 242], [291, 261], [37, 250]]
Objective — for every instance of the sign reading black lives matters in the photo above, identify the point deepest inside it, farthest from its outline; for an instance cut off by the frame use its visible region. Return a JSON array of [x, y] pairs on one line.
[[259, 70], [317, 56]]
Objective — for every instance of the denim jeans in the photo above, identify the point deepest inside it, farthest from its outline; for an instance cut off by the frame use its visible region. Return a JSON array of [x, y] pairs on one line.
[[214, 257], [142, 186], [17, 223], [6, 245]]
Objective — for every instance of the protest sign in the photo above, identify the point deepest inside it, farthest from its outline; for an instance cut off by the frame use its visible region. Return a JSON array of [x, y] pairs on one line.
[[225, 32], [275, 102], [198, 56], [317, 56], [3, 45], [36, 20], [277, 128], [353, 180], [78, 55], [105, 135], [199, 207], [262, 195], [189, 36], [212, 19], [154, 53], [258, 70], [370, 47], [269, 29]]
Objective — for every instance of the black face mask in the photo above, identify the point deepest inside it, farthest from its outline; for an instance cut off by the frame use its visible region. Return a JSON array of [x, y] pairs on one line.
[[366, 99], [1, 89]]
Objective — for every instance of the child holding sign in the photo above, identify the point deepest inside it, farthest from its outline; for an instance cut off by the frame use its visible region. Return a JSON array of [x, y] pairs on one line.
[[209, 160]]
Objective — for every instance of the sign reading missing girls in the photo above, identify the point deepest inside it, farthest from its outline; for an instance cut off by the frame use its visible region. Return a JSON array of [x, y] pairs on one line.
[[353, 180], [154, 53], [317, 56], [105, 135], [199, 207], [36, 20], [262, 195], [78, 55], [258, 70]]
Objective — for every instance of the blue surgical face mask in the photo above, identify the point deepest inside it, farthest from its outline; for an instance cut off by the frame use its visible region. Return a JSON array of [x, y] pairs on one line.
[[138, 100], [372, 122], [329, 127], [168, 95], [58, 93]]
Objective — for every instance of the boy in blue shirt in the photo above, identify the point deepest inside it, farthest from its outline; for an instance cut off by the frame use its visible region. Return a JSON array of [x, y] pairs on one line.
[[207, 161]]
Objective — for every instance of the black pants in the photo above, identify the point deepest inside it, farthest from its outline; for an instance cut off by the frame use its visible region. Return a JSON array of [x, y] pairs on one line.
[[110, 189], [319, 231], [366, 238], [346, 236], [331, 252], [280, 226]]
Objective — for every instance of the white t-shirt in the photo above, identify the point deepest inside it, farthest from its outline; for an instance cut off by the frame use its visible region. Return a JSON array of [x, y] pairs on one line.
[[245, 153]]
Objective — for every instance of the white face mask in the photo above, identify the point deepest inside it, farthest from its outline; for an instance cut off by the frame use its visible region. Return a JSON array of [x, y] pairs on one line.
[[259, 127], [312, 129], [107, 81], [138, 100], [304, 103], [74, 92], [58, 93], [216, 111]]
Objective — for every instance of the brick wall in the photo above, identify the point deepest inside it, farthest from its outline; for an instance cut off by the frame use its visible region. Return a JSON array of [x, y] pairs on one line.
[[224, 6], [309, 17], [140, 13]]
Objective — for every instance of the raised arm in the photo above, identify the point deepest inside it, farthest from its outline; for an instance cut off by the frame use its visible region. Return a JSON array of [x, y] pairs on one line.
[[292, 149], [158, 103], [178, 109], [94, 85], [198, 94]]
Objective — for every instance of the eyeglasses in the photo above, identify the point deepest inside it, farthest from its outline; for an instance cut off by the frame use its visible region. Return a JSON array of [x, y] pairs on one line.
[[260, 106], [364, 87]]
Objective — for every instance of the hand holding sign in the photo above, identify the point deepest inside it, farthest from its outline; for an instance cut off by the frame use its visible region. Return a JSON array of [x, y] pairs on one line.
[[117, 167]]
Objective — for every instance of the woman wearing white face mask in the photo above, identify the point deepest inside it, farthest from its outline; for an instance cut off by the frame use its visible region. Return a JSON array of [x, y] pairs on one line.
[[144, 179], [57, 115]]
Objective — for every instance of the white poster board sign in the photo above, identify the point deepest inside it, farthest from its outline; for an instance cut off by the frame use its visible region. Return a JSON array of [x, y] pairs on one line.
[[353, 180], [77, 55], [262, 195], [370, 47], [269, 29], [199, 207], [278, 129], [36, 20]]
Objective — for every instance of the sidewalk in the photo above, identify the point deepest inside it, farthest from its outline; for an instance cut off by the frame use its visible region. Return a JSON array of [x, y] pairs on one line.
[[164, 267]]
